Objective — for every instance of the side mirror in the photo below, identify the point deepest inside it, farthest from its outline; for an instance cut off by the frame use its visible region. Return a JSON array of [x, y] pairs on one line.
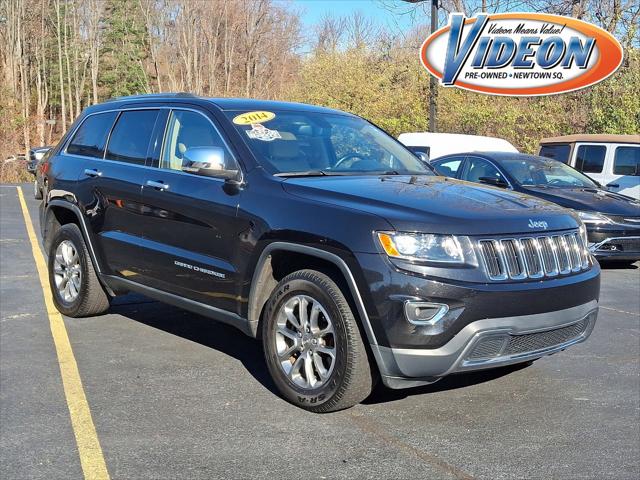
[[207, 161], [496, 182]]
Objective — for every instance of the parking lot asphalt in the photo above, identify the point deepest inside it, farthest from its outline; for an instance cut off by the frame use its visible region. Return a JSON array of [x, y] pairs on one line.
[[176, 395]]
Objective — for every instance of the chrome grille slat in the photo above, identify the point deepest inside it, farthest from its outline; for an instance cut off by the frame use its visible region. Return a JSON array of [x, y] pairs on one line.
[[534, 257]]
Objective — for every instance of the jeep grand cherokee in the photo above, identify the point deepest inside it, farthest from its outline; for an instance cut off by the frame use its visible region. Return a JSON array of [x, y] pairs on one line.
[[316, 232]]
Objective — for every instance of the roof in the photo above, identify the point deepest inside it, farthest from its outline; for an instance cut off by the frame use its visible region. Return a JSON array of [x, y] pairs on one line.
[[495, 155], [592, 138], [244, 104], [232, 104]]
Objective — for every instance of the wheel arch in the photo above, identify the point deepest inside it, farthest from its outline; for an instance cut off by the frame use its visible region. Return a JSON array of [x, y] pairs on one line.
[[265, 280], [59, 213]]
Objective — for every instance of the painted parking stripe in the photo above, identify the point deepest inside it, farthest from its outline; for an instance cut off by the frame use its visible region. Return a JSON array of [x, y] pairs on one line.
[[91, 457]]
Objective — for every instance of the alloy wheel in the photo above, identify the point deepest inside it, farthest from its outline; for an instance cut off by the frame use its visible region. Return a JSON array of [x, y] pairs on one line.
[[305, 342], [67, 271]]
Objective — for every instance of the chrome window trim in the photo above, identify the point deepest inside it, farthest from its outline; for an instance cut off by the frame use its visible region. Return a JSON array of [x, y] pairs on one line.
[[117, 162], [118, 111]]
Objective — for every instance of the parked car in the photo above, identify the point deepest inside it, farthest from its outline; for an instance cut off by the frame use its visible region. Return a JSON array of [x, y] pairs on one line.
[[612, 220], [435, 145], [611, 160], [316, 232], [36, 156]]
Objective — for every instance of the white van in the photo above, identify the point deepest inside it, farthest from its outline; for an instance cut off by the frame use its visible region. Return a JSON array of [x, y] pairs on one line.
[[435, 145], [612, 160]]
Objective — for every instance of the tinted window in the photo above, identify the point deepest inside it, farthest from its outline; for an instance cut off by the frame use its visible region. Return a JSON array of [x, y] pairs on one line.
[[309, 142], [130, 137], [187, 130], [558, 152], [590, 158], [479, 168], [91, 137], [449, 167], [627, 161]]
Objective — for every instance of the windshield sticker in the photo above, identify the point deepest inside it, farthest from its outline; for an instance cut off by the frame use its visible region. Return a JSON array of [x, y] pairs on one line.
[[260, 132], [250, 118]]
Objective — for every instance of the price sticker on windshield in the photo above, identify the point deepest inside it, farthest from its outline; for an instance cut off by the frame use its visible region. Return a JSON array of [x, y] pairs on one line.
[[251, 118]]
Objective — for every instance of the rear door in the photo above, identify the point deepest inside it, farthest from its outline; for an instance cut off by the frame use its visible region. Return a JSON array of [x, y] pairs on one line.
[[624, 176], [191, 227], [110, 190]]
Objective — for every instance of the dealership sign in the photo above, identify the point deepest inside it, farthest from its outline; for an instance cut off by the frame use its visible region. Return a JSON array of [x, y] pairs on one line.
[[520, 54]]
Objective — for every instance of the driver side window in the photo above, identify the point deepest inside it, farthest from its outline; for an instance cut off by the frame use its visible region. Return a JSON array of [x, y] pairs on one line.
[[188, 130], [478, 168]]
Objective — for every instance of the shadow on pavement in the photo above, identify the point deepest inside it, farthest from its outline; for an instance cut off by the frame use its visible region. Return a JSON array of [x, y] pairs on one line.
[[613, 265], [248, 351], [381, 394], [198, 329]]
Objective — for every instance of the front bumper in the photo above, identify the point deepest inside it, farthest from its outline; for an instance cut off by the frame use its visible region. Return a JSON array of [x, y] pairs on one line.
[[488, 343], [619, 242]]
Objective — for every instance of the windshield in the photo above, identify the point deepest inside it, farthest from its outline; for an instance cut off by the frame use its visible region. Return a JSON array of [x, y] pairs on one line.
[[311, 143], [543, 172]]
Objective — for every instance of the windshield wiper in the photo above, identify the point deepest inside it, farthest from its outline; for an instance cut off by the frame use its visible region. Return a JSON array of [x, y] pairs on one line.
[[306, 173]]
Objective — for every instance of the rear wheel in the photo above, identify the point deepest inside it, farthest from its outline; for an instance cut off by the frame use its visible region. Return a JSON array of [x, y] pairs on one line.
[[313, 346], [76, 289]]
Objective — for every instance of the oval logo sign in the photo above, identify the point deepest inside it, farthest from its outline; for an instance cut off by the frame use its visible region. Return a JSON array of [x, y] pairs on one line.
[[520, 54], [251, 118]]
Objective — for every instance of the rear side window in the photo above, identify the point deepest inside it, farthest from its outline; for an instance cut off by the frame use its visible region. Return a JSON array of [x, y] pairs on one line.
[[131, 136], [450, 167], [590, 158], [558, 152], [627, 161], [91, 137]]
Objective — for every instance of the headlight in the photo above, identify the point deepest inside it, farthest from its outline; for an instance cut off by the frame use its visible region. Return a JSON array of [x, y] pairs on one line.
[[426, 247], [593, 218]]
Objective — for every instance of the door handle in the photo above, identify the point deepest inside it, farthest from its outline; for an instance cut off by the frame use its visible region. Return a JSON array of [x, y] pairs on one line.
[[157, 185], [92, 172], [613, 185]]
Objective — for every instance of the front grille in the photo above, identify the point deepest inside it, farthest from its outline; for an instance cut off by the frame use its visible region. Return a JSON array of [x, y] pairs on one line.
[[507, 345], [532, 342], [622, 244], [534, 257]]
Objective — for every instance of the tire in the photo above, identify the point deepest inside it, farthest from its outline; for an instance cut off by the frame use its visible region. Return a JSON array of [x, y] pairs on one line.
[[37, 192], [84, 296], [341, 381]]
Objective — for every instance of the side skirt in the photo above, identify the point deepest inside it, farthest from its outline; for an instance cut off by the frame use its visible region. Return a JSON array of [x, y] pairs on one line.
[[233, 319]]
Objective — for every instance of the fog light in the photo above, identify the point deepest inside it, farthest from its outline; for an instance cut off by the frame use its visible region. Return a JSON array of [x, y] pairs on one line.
[[425, 314]]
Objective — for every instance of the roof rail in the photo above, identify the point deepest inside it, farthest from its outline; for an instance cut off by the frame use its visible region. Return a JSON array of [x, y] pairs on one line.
[[153, 95]]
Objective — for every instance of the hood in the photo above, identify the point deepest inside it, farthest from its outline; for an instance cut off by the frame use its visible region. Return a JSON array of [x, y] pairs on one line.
[[588, 199], [435, 204]]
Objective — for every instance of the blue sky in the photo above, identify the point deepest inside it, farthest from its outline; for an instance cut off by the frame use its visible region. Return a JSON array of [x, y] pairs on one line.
[[389, 13]]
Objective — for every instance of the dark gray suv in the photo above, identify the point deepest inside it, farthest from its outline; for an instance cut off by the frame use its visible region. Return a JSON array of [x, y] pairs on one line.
[[316, 232]]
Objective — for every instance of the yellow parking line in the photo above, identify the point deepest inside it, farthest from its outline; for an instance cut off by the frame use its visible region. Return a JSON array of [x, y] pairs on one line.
[[91, 458]]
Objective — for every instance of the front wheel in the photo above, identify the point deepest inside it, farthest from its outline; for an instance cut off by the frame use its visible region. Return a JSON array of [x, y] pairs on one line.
[[312, 344]]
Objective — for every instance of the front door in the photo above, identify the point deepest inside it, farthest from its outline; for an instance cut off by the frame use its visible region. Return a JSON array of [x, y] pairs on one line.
[[191, 226]]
